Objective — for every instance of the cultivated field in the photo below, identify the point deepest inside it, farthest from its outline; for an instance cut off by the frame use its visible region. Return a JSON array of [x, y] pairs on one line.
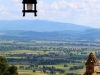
[[51, 54]]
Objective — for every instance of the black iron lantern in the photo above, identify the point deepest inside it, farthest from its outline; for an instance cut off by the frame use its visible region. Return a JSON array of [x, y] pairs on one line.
[[29, 6]]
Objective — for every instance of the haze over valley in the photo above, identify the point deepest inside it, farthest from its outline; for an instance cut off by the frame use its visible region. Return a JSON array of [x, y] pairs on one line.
[[42, 29]]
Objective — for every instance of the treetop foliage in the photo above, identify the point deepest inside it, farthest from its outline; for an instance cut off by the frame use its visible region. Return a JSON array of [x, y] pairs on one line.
[[5, 69]]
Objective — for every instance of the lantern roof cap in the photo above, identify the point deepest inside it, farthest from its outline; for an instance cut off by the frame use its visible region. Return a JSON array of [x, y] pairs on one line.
[[30, 1]]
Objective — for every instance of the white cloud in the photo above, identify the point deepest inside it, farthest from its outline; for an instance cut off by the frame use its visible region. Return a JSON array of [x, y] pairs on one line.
[[83, 12], [55, 6], [16, 1], [2, 8], [73, 11]]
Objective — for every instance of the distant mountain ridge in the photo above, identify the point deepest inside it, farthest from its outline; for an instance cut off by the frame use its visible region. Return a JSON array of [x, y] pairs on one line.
[[90, 34], [39, 25]]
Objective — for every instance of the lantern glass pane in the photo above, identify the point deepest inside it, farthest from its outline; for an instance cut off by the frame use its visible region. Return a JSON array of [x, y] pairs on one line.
[[29, 6]]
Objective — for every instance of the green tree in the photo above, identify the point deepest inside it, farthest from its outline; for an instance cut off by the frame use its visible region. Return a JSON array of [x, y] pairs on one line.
[[36, 65], [5, 69], [34, 70], [12, 70], [44, 70], [51, 72], [65, 65], [32, 65]]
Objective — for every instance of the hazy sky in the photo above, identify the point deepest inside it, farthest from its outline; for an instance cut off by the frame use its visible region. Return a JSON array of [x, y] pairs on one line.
[[81, 12]]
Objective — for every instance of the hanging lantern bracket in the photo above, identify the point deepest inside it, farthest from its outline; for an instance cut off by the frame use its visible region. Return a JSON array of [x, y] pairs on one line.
[[29, 2]]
